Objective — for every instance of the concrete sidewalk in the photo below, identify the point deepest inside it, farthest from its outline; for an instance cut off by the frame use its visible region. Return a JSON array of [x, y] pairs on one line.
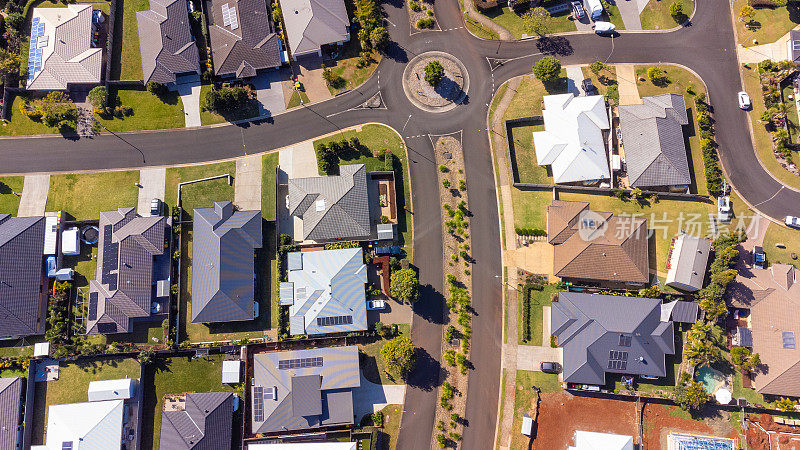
[[628, 92], [153, 185], [247, 187], [33, 201]]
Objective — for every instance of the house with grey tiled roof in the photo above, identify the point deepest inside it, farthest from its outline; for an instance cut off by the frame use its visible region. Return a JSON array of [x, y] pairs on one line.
[[197, 421], [652, 138], [62, 52], [603, 334], [336, 207], [132, 269], [325, 292], [23, 297], [10, 413], [243, 38], [303, 389], [310, 24], [166, 44], [223, 242]]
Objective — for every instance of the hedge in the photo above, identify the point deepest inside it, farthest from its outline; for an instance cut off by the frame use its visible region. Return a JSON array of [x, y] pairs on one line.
[[530, 231]]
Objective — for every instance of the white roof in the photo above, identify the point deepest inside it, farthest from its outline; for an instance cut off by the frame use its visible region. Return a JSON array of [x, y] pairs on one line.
[[89, 426], [69, 241], [305, 446], [572, 142], [231, 371], [41, 349], [311, 24], [50, 234], [119, 389], [589, 440]]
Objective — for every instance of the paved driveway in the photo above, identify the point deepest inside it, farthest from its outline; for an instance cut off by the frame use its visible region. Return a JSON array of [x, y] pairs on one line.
[[152, 182], [371, 397], [35, 189], [529, 357], [247, 189], [629, 10], [188, 88], [574, 80], [269, 93]]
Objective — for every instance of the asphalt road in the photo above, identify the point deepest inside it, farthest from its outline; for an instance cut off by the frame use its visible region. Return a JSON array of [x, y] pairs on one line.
[[706, 47]]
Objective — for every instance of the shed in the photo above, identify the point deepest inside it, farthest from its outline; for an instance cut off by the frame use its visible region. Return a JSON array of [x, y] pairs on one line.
[[385, 231], [678, 311], [50, 234], [41, 349], [742, 337], [162, 288], [119, 389], [231, 371], [294, 261], [687, 262], [527, 425], [70, 244]]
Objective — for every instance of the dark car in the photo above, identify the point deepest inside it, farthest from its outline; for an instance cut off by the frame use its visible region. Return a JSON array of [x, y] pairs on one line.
[[550, 367], [587, 86], [577, 10], [759, 257]]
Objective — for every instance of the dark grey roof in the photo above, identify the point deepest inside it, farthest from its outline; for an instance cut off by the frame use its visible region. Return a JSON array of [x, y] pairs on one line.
[[251, 45], [165, 41], [606, 333], [22, 306], [206, 423], [312, 388], [10, 406], [794, 45], [688, 262], [124, 287], [332, 207], [223, 264], [652, 137], [684, 312]]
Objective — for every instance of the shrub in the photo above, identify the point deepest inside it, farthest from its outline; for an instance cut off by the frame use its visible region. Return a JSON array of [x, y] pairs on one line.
[[425, 23], [404, 285], [399, 356], [377, 419], [226, 99], [657, 76], [97, 96], [547, 69], [596, 67], [443, 168], [703, 121], [414, 5], [15, 21], [450, 357], [389, 161], [333, 79], [434, 71], [157, 88], [676, 9]]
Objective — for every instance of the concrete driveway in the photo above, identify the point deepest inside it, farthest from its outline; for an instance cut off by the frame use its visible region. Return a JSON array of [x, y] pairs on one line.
[[371, 397], [188, 87], [35, 189], [529, 357], [629, 10], [152, 182], [574, 80], [269, 93]]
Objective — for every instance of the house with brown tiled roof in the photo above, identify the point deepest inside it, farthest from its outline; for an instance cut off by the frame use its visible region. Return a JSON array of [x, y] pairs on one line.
[[773, 297], [597, 248]]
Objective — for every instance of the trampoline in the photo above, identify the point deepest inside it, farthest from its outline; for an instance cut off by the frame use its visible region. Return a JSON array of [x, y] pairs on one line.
[[90, 234]]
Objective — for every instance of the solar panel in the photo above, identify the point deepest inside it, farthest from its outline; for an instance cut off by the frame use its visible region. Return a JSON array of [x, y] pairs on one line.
[[624, 340], [233, 18], [788, 339], [334, 320], [66, 445], [107, 328], [258, 403], [93, 306], [299, 363]]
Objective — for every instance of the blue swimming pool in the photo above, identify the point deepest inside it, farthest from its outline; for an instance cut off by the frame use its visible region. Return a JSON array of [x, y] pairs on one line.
[[711, 378]]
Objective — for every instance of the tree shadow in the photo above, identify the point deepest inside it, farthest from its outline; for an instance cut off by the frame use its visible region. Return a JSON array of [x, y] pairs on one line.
[[554, 45], [427, 373], [448, 89], [5, 189], [396, 52], [429, 307]]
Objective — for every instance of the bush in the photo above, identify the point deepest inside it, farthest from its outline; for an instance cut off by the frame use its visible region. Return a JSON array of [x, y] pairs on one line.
[[157, 89], [226, 99], [657, 76], [414, 5], [389, 162], [14, 21], [547, 69], [377, 419], [703, 121], [425, 23], [97, 96], [399, 356], [434, 71], [333, 79], [327, 159], [676, 9], [530, 231], [596, 67], [404, 285]]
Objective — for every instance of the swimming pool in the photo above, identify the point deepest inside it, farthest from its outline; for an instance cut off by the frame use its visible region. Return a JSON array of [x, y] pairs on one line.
[[712, 379]]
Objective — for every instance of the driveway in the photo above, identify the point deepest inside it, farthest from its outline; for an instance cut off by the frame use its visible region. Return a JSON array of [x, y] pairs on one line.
[[629, 10], [309, 70], [269, 93], [574, 80], [628, 92], [394, 313], [247, 189], [529, 357], [188, 87], [152, 182], [371, 397], [35, 189]]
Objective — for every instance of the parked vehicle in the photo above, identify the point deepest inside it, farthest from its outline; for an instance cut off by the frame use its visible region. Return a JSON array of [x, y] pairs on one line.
[[577, 10], [587, 86], [601, 27], [593, 8], [155, 207], [724, 211], [759, 257], [255, 310], [550, 367], [792, 221], [744, 100], [376, 304]]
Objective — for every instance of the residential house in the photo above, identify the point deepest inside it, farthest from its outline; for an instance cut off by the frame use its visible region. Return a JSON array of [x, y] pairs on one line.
[[597, 248], [85, 426], [772, 297], [688, 259], [11, 418], [590, 440], [320, 445], [197, 421], [133, 271], [23, 292], [303, 389], [793, 46], [573, 142], [223, 242], [243, 39], [166, 44], [652, 138], [62, 53], [610, 334], [325, 292], [310, 24]]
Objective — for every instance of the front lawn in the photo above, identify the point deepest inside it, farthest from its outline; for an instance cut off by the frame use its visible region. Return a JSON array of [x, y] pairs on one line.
[[346, 66], [149, 111], [604, 80], [538, 300], [611, 14], [248, 111], [770, 23], [268, 185], [371, 362], [780, 234], [19, 124], [83, 196], [9, 201], [294, 100], [202, 194], [513, 22], [126, 61], [479, 30], [656, 16]]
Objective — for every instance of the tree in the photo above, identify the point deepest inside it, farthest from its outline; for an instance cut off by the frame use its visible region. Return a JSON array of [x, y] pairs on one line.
[[701, 346], [434, 71], [746, 13], [785, 404], [9, 64], [379, 38], [596, 67], [14, 21], [404, 285], [691, 396], [724, 278], [156, 88], [399, 356], [547, 69], [97, 96], [656, 75], [538, 21], [744, 359], [59, 110], [146, 357], [676, 9]]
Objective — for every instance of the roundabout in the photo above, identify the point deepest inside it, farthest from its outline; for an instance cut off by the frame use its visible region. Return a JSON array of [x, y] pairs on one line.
[[449, 92]]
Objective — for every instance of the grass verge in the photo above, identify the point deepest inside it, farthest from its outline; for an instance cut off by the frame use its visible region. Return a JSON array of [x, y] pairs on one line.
[[779, 234], [150, 112], [83, 196], [656, 16], [9, 187], [513, 22]]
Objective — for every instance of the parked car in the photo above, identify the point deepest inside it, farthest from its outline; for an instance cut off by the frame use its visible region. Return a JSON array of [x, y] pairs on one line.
[[550, 367], [376, 304], [601, 27], [759, 257], [577, 10], [594, 8], [587, 86], [792, 221], [155, 207], [255, 310], [744, 100], [155, 308]]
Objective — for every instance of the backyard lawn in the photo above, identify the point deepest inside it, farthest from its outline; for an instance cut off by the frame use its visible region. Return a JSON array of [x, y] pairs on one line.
[[19, 124], [269, 163], [149, 111], [204, 193], [656, 16], [513, 22], [127, 63], [780, 234], [83, 196], [98, 4], [372, 366], [178, 375], [770, 23], [539, 299], [9, 202]]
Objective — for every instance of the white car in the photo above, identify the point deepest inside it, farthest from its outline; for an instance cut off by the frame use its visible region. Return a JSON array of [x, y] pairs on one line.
[[744, 100], [792, 221], [601, 27], [376, 304]]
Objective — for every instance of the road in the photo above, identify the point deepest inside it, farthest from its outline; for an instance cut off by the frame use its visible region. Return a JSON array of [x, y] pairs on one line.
[[706, 47]]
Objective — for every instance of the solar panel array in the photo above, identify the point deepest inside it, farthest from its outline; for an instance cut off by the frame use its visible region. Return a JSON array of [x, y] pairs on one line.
[[688, 442], [66, 445], [617, 360], [788, 339], [300, 363], [110, 259], [93, 306], [334, 320], [38, 42], [625, 340], [229, 17]]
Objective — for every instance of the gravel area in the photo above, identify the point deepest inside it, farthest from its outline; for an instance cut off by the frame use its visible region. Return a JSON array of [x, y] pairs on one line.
[[414, 16], [449, 89]]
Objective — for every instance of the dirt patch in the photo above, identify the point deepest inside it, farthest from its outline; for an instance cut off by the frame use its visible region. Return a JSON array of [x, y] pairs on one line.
[[660, 420], [561, 414], [764, 434]]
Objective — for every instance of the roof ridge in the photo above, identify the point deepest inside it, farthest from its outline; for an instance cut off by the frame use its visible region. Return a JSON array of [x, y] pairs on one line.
[[97, 424]]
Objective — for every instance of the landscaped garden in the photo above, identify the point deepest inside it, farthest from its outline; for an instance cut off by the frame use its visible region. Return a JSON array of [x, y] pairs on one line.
[[54, 113], [225, 103], [83, 196], [530, 312], [767, 23], [372, 365], [9, 188]]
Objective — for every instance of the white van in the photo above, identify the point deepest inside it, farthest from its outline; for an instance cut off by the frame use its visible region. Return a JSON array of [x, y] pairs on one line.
[[593, 8]]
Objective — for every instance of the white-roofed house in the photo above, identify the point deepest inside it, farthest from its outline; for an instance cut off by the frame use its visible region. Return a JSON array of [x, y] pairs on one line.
[[590, 440], [84, 426], [573, 142], [310, 24], [119, 389]]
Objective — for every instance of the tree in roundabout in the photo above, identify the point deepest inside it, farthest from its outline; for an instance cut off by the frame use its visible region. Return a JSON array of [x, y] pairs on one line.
[[434, 71]]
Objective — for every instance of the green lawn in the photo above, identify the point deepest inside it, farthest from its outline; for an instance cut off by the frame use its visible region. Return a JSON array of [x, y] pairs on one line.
[[780, 234], [611, 14], [479, 30], [19, 124], [603, 80], [268, 181], [127, 63], [664, 384], [84, 195], [375, 137], [525, 155], [513, 22], [99, 4], [749, 394], [371, 362], [149, 111], [15, 348], [539, 299], [204, 193], [73, 384], [530, 207], [656, 16], [9, 202], [791, 113], [210, 117], [294, 100], [391, 424], [178, 375], [770, 23], [525, 398], [346, 66]]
